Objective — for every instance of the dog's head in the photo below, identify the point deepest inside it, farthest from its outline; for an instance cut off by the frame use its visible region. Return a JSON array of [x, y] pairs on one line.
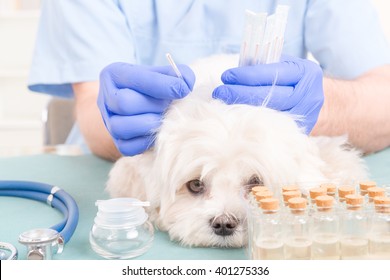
[[207, 156]]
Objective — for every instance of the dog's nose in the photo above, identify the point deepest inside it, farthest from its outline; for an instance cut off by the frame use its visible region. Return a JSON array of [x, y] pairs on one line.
[[224, 225]]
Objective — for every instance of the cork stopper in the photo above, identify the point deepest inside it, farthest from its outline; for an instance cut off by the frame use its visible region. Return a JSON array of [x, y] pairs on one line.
[[263, 194], [297, 203], [290, 188], [375, 191], [259, 188], [346, 190], [324, 201], [330, 188], [290, 194], [269, 204], [317, 192], [364, 186], [382, 204], [382, 200], [354, 199]]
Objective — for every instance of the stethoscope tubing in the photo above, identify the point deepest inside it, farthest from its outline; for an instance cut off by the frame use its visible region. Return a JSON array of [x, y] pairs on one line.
[[56, 203], [60, 200]]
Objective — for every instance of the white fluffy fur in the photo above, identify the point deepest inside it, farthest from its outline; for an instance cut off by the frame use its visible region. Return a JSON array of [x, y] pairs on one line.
[[224, 145]]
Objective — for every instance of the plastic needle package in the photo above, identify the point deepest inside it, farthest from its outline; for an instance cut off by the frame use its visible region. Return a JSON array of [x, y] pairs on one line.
[[263, 37]]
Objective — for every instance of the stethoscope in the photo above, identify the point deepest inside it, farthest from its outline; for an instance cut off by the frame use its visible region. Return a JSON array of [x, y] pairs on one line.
[[42, 243]]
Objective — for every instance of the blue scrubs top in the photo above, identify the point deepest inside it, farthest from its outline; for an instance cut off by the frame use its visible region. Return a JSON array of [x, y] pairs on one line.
[[77, 38]]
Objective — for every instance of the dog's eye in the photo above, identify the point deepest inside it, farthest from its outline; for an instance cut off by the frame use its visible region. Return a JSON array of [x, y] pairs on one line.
[[255, 180], [195, 186]]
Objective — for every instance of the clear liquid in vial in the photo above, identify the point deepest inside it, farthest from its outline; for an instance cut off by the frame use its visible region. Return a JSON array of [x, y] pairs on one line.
[[354, 248], [379, 246], [298, 248], [269, 249], [325, 247]]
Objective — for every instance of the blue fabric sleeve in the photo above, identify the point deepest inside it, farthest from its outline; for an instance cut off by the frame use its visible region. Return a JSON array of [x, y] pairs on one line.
[[345, 37], [75, 40]]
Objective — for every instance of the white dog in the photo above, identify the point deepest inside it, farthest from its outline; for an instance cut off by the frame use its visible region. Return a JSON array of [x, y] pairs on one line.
[[208, 153]]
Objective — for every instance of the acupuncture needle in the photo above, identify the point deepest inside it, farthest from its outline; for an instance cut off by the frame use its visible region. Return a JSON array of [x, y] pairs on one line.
[[174, 66]]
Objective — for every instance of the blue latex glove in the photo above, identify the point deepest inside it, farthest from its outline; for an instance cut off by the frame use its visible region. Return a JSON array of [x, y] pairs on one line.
[[133, 98], [295, 85]]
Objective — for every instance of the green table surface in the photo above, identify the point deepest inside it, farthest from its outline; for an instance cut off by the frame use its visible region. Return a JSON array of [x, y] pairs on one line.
[[84, 177]]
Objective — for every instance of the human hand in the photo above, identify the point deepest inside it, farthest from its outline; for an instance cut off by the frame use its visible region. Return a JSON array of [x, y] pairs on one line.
[[293, 85], [133, 98]]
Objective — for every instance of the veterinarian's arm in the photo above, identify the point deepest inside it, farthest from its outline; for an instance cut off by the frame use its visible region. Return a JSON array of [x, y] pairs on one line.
[[359, 108], [90, 121]]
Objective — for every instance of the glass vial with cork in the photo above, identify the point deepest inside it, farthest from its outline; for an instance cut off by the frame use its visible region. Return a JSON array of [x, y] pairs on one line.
[[262, 195], [290, 194], [254, 190], [331, 190], [253, 217], [353, 230], [268, 242], [297, 240], [364, 186], [290, 188], [379, 233], [325, 230], [343, 191], [372, 193], [315, 192]]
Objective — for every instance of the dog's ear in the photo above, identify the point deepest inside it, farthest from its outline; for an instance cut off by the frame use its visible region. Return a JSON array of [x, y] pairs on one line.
[[127, 177]]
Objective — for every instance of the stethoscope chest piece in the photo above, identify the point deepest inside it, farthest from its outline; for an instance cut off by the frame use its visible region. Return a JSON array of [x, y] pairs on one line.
[[8, 251], [42, 243]]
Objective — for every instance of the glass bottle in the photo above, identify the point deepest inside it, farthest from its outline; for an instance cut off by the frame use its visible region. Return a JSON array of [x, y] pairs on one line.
[[372, 193], [343, 191], [379, 234], [253, 221], [364, 186], [290, 188], [331, 189], [325, 230], [269, 242], [121, 229], [290, 194], [254, 190], [262, 195], [353, 230], [297, 241], [259, 188], [253, 217], [315, 192]]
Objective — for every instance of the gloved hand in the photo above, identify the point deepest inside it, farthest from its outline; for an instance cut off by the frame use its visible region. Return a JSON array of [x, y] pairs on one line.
[[133, 98], [293, 85]]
